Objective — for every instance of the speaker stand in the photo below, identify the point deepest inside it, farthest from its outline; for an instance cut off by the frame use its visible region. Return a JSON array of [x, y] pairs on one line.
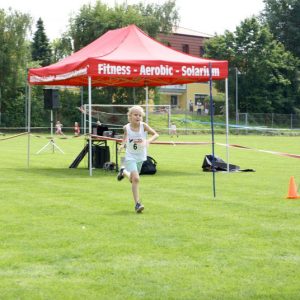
[[51, 143]]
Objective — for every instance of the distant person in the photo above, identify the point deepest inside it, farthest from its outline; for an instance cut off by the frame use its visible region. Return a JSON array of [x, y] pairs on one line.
[[206, 108], [202, 109], [135, 143], [58, 128], [173, 130], [191, 106], [76, 129], [199, 104], [222, 110]]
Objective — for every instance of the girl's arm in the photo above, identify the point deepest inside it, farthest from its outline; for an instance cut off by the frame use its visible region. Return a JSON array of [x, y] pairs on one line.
[[123, 144], [154, 134]]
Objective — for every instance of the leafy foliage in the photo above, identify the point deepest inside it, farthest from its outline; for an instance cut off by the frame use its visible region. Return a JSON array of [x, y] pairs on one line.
[[283, 17], [62, 47], [14, 54], [268, 77], [93, 21], [266, 71]]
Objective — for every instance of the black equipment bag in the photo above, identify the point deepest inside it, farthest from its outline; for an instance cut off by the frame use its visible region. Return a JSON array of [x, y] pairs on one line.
[[149, 166], [109, 166], [219, 164]]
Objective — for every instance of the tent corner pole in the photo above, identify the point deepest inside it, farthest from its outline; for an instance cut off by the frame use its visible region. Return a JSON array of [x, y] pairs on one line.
[[147, 104], [212, 111], [28, 124], [90, 126], [81, 106], [227, 123]]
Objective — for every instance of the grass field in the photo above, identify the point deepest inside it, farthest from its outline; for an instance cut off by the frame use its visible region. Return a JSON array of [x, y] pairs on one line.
[[66, 235]]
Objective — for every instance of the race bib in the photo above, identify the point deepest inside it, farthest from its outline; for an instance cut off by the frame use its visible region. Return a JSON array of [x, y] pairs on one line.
[[136, 145]]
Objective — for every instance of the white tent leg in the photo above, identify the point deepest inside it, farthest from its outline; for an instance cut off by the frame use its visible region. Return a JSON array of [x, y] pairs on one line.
[[84, 117], [90, 126], [147, 105], [28, 124], [212, 129], [227, 123], [81, 106]]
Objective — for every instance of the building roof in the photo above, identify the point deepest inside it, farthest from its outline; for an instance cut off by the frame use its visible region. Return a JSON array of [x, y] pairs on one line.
[[192, 32]]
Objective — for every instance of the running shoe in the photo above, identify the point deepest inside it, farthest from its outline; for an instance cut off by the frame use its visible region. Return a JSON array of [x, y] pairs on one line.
[[121, 174], [139, 207]]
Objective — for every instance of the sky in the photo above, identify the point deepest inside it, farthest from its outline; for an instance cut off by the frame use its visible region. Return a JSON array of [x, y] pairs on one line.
[[210, 16]]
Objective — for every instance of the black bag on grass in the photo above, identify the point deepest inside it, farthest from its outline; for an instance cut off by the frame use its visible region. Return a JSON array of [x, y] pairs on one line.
[[149, 166], [219, 164]]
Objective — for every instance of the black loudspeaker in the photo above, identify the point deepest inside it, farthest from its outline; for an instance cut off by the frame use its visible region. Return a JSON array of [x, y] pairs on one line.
[[101, 128], [100, 155], [51, 99]]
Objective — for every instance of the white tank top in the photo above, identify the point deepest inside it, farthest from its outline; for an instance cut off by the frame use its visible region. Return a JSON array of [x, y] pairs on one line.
[[135, 144]]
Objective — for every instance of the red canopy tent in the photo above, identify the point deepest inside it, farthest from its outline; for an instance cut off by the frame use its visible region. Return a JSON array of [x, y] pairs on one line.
[[127, 57]]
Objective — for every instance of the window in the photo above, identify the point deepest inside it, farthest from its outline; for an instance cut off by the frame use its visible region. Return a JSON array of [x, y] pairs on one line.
[[185, 48], [174, 100]]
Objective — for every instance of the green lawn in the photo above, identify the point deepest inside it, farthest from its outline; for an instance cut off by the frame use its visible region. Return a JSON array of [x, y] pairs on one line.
[[66, 235]]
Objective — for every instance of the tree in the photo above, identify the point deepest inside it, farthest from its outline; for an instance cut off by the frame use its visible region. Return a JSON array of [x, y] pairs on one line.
[[283, 17], [93, 21], [41, 50], [158, 18], [62, 47], [14, 55], [267, 71]]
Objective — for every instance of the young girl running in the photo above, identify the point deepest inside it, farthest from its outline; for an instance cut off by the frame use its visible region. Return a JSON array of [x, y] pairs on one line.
[[135, 143]]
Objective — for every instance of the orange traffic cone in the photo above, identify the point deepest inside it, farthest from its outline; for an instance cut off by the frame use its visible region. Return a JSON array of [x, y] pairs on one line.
[[292, 192]]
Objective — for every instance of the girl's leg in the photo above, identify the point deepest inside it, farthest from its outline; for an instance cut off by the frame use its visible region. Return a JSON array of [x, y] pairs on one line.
[[135, 180]]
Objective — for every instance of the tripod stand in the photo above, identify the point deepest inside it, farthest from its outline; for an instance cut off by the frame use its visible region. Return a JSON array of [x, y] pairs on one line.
[[51, 143]]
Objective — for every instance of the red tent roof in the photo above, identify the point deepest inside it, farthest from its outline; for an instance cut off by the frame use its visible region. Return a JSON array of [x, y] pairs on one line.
[[128, 57]]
